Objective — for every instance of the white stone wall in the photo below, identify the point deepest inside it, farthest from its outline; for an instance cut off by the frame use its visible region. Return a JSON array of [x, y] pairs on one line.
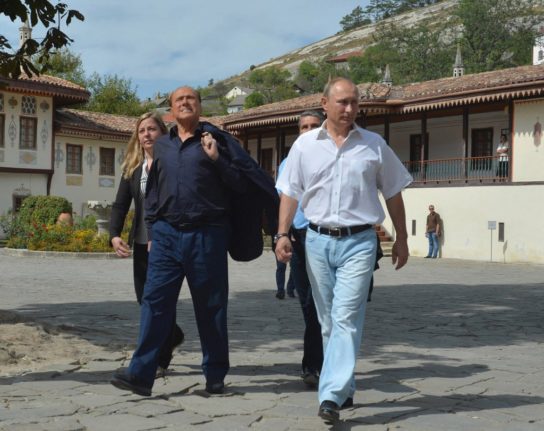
[[528, 143], [79, 189], [466, 212]]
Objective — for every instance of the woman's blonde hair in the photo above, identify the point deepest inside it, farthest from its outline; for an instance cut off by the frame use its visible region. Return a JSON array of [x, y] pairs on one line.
[[135, 153]]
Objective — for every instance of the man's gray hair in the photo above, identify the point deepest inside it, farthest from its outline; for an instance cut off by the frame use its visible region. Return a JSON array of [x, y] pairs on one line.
[[315, 114]]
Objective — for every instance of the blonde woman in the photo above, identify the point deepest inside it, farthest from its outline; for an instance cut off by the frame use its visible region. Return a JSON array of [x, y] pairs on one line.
[[136, 165]]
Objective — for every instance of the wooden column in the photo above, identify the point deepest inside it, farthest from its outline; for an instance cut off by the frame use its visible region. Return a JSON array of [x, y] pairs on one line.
[[424, 146], [278, 149], [259, 147], [466, 112], [246, 141], [510, 138], [386, 121]]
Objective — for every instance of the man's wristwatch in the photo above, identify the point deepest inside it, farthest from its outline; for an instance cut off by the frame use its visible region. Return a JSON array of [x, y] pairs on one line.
[[279, 235]]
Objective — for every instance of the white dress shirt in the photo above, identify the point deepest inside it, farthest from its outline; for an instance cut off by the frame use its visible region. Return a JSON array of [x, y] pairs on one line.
[[339, 186]]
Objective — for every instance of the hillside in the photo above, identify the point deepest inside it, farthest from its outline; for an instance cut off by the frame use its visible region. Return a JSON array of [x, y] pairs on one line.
[[357, 39]]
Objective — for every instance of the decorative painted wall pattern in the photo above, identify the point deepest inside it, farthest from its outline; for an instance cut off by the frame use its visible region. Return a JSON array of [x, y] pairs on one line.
[[44, 106], [121, 156], [12, 102], [59, 154], [12, 130], [44, 134], [106, 182], [27, 158], [28, 105], [90, 158]]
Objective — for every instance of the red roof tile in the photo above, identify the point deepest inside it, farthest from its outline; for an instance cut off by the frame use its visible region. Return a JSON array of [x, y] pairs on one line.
[[64, 92]]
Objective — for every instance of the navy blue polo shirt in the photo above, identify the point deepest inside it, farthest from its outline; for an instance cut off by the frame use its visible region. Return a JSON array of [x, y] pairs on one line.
[[185, 186]]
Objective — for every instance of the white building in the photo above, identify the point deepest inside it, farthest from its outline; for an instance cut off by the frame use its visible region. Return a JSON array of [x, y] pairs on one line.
[[46, 149], [446, 131]]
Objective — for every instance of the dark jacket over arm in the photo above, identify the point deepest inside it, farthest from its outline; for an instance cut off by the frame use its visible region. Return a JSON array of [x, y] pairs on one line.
[[255, 209]]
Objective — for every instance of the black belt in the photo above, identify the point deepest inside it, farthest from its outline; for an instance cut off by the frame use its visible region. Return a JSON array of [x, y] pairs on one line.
[[339, 231]]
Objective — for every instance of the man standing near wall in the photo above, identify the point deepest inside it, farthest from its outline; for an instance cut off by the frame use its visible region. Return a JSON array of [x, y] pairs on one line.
[[336, 172], [432, 232]]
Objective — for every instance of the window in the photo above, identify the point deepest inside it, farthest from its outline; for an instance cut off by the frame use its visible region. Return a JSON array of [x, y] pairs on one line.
[[73, 159], [28, 133], [482, 148], [2, 121], [107, 161]]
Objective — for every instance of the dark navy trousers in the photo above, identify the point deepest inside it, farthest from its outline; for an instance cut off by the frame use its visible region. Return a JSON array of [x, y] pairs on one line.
[[200, 255], [312, 359]]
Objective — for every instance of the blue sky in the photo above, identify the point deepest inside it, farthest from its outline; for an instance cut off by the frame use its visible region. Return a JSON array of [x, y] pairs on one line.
[[163, 44]]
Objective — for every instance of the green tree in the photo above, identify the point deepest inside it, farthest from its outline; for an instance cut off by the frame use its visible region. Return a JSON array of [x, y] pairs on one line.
[[419, 53], [273, 83], [369, 66], [254, 99], [52, 17], [498, 33], [312, 77], [113, 95], [66, 65], [356, 18]]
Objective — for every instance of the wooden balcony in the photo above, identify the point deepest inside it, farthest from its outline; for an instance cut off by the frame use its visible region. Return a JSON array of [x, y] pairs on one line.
[[462, 170]]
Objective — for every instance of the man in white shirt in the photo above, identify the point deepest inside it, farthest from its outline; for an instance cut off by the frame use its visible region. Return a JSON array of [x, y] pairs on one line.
[[335, 171]]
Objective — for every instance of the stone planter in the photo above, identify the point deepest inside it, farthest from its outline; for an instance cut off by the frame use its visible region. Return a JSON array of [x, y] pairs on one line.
[[102, 210]]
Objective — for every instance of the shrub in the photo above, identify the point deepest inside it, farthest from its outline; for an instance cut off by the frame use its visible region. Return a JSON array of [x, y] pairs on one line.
[[35, 227]]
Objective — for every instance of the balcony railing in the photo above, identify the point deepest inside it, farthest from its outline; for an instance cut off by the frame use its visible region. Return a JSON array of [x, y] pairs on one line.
[[472, 169]]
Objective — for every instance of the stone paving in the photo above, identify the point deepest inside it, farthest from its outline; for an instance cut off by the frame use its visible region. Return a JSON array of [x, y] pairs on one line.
[[449, 345]]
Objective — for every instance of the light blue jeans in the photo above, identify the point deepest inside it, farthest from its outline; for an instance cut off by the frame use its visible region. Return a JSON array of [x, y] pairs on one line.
[[433, 244], [340, 270]]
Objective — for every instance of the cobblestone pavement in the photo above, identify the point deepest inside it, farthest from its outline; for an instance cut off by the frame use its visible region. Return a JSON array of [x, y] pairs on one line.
[[449, 345]]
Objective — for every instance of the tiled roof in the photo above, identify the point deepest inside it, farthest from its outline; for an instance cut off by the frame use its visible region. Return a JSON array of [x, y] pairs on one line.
[[64, 92], [515, 82], [93, 124], [288, 110]]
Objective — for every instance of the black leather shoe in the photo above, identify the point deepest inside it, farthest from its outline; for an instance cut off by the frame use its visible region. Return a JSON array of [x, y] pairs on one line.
[[329, 411], [348, 403], [280, 295], [215, 388], [310, 378], [124, 381], [427, 257]]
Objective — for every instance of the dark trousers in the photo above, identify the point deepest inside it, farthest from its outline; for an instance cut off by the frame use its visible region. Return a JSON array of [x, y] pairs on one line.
[[312, 359], [199, 254], [281, 268], [139, 263]]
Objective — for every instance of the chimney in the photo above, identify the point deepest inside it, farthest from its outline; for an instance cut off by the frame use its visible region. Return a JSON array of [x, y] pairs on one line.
[[387, 77], [458, 68]]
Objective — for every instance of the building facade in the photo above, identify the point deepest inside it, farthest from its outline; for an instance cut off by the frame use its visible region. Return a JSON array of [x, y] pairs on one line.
[[447, 133]]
